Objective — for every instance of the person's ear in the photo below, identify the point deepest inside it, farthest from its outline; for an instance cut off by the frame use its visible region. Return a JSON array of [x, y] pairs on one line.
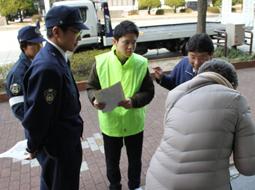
[[56, 31], [114, 41], [24, 48]]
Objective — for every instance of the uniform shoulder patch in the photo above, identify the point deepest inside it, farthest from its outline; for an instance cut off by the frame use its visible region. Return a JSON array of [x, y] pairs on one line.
[[15, 89], [50, 95]]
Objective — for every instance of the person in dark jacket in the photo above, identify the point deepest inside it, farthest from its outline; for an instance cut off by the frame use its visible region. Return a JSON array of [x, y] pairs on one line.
[[30, 40], [200, 49], [52, 106]]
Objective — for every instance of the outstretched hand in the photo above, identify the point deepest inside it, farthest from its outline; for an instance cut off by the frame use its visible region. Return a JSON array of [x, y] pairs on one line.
[[158, 73]]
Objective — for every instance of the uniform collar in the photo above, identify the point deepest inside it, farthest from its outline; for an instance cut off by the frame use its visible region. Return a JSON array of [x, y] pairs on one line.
[[59, 49], [190, 70]]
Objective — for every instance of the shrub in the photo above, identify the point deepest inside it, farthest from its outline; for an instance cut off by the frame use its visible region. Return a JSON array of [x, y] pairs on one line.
[[144, 4], [185, 10], [82, 63], [213, 9], [36, 18], [159, 12], [216, 3], [142, 7], [233, 9], [168, 10], [133, 12], [233, 55], [4, 69], [2, 82], [188, 10], [174, 3]]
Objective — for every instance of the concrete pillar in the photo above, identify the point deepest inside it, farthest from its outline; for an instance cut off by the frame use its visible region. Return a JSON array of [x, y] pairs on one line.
[[248, 13], [226, 10], [245, 17], [46, 5]]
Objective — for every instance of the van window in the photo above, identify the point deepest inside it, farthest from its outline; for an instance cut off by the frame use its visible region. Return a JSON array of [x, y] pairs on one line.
[[192, 5], [83, 11]]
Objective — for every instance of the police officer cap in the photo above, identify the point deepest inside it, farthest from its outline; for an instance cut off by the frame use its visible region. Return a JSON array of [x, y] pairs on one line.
[[30, 34], [64, 16]]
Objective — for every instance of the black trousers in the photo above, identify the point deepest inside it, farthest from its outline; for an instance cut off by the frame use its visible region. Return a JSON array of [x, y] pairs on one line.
[[112, 147], [62, 172]]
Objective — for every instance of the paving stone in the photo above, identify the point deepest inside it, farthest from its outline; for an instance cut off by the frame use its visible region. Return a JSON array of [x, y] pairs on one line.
[[93, 172]]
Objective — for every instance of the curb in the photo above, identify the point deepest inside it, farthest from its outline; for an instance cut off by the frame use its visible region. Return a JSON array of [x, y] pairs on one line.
[[82, 84], [3, 97], [244, 64]]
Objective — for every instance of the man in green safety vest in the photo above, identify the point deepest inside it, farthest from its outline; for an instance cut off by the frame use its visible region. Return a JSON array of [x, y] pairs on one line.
[[125, 123]]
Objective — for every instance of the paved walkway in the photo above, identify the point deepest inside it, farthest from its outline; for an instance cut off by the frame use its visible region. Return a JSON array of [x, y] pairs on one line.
[[16, 175]]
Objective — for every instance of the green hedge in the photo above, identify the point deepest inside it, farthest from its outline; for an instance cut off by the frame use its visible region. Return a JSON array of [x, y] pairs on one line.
[[234, 55], [160, 12], [213, 10], [82, 62], [186, 10], [133, 12], [4, 69], [36, 18], [168, 10]]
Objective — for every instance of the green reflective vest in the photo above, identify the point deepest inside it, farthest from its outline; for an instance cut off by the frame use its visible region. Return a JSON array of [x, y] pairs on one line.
[[121, 122]]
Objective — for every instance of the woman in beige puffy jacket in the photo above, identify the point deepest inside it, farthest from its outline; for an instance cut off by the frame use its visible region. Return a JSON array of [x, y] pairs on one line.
[[206, 120]]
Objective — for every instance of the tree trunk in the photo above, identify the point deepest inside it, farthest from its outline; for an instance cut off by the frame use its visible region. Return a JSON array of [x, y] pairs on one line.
[[7, 21], [201, 16], [21, 15], [149, 10]]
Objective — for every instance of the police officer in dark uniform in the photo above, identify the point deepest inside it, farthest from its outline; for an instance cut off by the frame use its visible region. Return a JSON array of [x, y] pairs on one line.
[[30, 40], [52, 106]]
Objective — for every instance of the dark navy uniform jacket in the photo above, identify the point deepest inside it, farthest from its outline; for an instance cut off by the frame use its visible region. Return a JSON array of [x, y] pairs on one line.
[[181, 73], [14, 85], [52, 106]]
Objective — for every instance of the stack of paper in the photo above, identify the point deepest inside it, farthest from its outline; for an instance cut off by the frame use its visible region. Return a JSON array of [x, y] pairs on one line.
[[110, 96]]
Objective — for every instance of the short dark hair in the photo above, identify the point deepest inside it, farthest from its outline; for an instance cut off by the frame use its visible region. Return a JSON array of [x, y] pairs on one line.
[[200, 43], [221, 67], [125, 27], [49, 33], [23, 45]]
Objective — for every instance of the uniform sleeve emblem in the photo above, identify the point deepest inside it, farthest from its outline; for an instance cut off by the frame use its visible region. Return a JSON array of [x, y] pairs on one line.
[[37, 31], [15, 89], [50, 95]]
